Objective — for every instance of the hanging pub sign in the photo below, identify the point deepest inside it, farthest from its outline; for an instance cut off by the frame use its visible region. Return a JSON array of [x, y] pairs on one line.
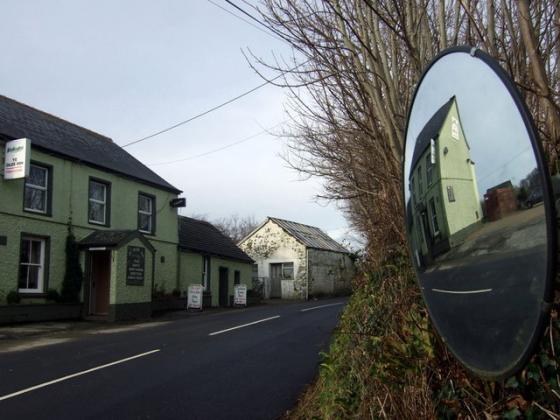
[[194, 297], [178, 202], [16, 159], [240, 295]]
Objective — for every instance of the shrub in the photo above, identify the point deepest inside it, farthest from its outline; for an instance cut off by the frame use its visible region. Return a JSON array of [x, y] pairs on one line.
[[53, 295], [73, 276], [13, 297]]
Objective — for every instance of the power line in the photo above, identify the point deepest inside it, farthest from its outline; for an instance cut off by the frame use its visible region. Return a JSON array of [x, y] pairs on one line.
[[188, 120], [248, 14], [246, 21], [219, 149]]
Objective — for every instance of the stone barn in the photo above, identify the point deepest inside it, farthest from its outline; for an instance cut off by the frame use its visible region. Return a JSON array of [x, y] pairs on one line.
[[297, 261]]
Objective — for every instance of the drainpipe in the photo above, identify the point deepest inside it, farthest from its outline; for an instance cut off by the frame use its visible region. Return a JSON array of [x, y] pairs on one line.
[[178, 279], [308, 273], [153, 272]]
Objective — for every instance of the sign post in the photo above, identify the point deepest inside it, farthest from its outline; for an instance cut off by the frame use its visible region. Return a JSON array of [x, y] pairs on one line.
[[194, 297], [240, 295], [17, 158]]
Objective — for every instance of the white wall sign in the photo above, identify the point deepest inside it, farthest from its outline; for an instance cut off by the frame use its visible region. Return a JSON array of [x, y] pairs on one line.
[[194, 298], [16, 159], [240, 295], [432, 151], [455, 128]]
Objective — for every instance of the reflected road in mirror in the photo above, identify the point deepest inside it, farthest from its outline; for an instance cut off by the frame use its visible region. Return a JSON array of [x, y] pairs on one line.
[[475, 216]]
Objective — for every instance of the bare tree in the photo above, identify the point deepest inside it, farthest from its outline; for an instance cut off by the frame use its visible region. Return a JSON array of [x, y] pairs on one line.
[[359, 61], [236, 227], [351, 79]]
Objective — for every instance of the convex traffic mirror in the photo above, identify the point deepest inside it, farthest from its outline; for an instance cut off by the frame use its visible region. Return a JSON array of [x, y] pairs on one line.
[[478, 212]]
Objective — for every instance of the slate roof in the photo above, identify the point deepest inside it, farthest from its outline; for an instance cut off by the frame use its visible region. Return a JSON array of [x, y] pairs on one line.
[[310, 236], [201, 236], [56, 135], [430, 131], [112, 238]]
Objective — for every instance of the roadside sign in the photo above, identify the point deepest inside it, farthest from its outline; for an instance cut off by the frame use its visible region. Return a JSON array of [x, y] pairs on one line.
[[240, 295], [194, 298], [16, 159]]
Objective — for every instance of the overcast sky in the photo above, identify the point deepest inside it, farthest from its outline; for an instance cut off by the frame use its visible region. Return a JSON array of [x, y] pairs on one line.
[[129, 68], [497, 136]]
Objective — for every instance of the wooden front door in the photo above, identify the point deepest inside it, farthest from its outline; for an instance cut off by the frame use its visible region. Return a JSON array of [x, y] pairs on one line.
[[275, 280], [224, 287], [100, 281]]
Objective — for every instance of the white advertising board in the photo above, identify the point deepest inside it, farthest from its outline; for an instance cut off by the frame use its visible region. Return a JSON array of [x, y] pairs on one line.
[[194, 297], [16, 159], [240, 295]]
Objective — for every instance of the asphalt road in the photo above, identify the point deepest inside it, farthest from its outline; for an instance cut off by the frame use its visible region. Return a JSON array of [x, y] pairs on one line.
[[197, 367], [487, 310]]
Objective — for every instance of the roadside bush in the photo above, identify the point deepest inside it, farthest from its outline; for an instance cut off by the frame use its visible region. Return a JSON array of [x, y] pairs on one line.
[[53, 295], [73, 275], [386, 361], [13, 297], [158, 292], [378, 362]]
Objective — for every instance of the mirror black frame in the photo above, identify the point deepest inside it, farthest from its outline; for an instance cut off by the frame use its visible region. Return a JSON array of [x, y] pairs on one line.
[[550, 209]]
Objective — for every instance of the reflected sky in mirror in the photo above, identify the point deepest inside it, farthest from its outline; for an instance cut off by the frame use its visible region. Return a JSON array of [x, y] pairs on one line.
[[487, 113], [475, 215]]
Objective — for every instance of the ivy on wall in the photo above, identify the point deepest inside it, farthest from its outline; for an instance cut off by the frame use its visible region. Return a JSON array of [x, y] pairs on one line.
[[73, 276]]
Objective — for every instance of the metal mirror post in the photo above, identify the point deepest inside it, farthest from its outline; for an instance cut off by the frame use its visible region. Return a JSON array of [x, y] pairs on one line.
[[479, 216]]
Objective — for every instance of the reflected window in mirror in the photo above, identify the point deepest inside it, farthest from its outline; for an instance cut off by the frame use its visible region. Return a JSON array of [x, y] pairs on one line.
[[435, 226], [420, 187], [429, 170], [450, 193]]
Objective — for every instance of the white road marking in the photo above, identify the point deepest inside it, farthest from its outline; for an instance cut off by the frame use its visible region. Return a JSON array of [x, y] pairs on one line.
[[462, 292], [244, 325], [322, 306], [65, 378]]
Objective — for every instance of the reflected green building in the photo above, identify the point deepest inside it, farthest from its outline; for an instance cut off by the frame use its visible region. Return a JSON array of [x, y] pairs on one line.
[[444, 205]]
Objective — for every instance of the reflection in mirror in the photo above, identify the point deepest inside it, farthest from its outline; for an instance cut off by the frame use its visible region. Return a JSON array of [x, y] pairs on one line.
[[476, 221]]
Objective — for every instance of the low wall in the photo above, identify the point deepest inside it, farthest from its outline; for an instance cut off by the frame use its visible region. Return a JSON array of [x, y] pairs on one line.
[[169, 304], [10, 314]]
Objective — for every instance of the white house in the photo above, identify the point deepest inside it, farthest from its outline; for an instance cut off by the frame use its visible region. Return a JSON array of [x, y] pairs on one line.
[[296, 261]]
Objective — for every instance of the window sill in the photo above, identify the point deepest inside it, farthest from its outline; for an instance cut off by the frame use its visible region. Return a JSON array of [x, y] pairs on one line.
[[37, 212], [92, 222], [31, 294]]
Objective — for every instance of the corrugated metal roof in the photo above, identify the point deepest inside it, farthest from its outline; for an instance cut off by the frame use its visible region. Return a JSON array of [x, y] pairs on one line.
[[310, 236]]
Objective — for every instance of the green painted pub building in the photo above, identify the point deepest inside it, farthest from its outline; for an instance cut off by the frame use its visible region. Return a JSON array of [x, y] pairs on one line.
[[445, 201], [121, 214]]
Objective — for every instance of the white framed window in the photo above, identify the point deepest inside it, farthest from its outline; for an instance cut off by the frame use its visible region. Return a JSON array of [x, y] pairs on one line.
[[32, 265], [98, 199], [288, 271], [146, 213], [429, 170], [450, 194], [433, 216], [36, 192]]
